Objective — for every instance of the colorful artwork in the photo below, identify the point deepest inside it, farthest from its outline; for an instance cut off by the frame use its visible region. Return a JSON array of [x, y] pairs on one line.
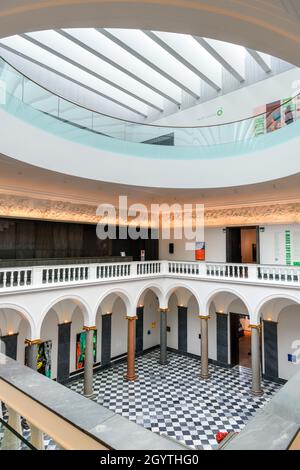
[[200, 251], [274, 116], [44, 358], [81, 347]]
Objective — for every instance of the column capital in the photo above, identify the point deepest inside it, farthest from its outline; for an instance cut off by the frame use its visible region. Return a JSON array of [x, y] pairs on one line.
[[32, 342], [163, 310], [204, 317], [89, 328], [255, 327], [131, 318]]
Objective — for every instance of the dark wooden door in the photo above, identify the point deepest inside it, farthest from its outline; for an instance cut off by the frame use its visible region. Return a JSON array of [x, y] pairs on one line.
[[233, 245], [234, 339]]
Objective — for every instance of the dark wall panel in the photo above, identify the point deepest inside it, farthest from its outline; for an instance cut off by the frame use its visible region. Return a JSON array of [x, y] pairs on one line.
[[63, 352], [271, 349], [26, 239], [222, 338]]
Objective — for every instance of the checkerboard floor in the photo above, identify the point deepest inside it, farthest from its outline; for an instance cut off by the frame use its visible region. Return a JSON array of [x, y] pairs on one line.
[[174, 401]]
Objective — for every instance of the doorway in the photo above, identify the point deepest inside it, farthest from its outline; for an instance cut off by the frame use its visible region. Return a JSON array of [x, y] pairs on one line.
[[242, 245], [240, 340]]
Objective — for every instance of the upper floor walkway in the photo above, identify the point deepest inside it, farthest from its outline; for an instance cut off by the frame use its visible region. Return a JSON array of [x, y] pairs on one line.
[[33, 291]]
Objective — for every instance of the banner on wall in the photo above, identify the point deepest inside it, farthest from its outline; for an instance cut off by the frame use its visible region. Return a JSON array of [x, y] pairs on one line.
[[200, 251], [81, 347]]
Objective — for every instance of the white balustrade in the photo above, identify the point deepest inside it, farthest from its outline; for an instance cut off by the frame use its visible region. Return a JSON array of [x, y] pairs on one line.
[[47, 276]]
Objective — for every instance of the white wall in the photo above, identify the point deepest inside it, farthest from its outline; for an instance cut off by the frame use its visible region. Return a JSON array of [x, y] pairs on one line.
[[215, 241], [49, 332], [119, 329], [24, 333], [272, 244], [193, 327], [151, 321], [288, 332]]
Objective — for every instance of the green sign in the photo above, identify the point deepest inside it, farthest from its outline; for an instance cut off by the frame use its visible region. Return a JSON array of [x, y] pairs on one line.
[[288, 249]]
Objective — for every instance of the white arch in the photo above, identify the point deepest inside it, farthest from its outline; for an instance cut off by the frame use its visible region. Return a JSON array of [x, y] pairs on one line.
[[226, 290], [24, 314], [123, 294], [85, 308], [171, 290], [155, 288], [270, 298]]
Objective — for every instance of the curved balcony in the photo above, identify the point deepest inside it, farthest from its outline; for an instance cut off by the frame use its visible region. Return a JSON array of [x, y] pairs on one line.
[[38, 108]]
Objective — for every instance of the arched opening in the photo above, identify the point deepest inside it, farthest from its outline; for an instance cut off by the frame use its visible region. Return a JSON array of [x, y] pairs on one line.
[[281, 341], [15, 327], [230, 327], [183, 322], [61, 333], [111, 326]]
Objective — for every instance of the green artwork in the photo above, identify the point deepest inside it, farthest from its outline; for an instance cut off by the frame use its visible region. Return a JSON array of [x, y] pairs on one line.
[[288, 249]]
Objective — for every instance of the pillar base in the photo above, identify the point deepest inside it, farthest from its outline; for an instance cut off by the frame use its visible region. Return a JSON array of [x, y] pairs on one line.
[[89, 396], [257, 393], [130, 378], [204, 376], [163, 363]]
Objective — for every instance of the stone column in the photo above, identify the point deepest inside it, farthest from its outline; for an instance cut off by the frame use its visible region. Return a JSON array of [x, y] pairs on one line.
[[204, 347], [130, 375], [11, 441], [37, 437], [32, 352], [256, 360], [88, 390], [163, 336]]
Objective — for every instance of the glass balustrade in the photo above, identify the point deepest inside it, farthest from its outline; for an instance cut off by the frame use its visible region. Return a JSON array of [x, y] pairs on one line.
[[29, 101]]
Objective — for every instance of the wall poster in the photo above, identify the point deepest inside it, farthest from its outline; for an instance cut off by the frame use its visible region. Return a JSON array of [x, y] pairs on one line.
[[43, 359], [81, 347], [200, 251]]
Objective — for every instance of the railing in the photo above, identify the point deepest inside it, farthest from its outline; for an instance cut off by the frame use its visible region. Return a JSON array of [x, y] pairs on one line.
[[10, 439], [42, 108], [38, 277], [70, 420]]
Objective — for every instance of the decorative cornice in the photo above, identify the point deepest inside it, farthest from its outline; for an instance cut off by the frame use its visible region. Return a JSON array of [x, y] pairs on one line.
[[49, 209]]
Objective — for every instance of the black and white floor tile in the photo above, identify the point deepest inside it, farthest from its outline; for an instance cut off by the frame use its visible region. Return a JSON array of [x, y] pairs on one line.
[[174, 401]]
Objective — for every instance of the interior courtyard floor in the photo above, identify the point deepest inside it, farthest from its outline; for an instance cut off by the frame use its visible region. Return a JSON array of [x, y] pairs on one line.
[[174, 401]]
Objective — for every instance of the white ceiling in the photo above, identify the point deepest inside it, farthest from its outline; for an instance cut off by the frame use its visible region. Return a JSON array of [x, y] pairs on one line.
[[141, 73]]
